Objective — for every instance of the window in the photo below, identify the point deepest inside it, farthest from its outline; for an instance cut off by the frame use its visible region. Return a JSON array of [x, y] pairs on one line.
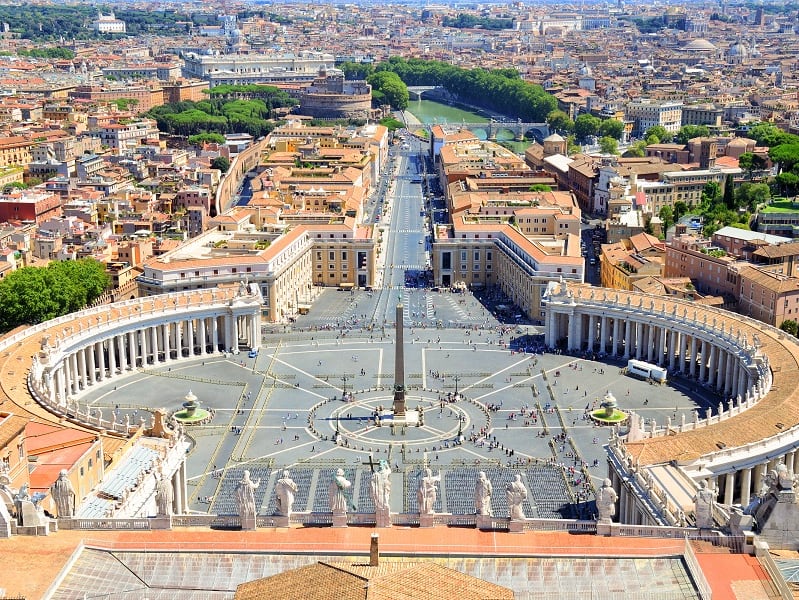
[[182, 275], [234, 270], [196, 273], [463, 256], [319, 255], [332, 255], [476, 255], [488, 255], [343, 255]]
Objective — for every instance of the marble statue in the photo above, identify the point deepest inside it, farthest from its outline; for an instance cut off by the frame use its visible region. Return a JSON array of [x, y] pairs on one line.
[[245, 496], [64, 495], [516, 493], [482, 494], [285, 488], [704, 500], [380, 489], [606, 498], [337, 492], [427, 492], [163, 496]]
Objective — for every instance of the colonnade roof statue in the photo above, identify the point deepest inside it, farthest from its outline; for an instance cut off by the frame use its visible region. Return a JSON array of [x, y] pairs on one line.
[[772, 355]]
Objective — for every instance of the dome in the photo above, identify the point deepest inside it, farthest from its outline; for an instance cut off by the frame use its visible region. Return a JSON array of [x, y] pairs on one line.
[[737, 49], [554, 138], [699, 45], [585, 71]]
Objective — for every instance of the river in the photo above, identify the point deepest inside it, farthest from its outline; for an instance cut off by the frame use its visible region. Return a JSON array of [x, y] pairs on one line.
[[429, 112]]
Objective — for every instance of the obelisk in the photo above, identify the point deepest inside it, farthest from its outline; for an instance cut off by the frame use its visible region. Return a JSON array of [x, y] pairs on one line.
[[399, 369]]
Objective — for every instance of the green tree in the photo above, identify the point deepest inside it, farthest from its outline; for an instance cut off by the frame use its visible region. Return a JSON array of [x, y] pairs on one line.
[[666, 215], [659, 133], [611, 128], [752, 195], [787, 155], [222, 163], [680, 210], [356, 70], [636, 150], [391, 123], [560, 122], [751, 162], [389, 88], [539, 187], [206, 138], [34, 294], [768, 134], [586, 125], [788, 183], [608, 145], [729, 192], [689, 132], [790, 327]]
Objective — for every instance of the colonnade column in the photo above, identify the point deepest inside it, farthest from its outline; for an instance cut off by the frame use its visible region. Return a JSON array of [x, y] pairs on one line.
[[674, 346], [90, 352], [154, 343], [627, 343], [721, 367], [591, 331], [215, 334], [616, 336], [692, 365], [112, 357], [122, 358], [255, 330], [166, 337], [729, 488], [132, 349], [73, 372], [179, 339], [639, 346], [101, 360], [703, 364], [603, 334], [84, 380], [682, 351], [190, 336], [201, 335], [746, 484]]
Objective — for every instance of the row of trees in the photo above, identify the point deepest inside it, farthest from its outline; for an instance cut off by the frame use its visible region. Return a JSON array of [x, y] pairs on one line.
[[388, 88], [34, 294], [499, 90]]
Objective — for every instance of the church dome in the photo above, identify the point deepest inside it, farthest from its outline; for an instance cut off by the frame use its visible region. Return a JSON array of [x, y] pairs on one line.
[[699, 45], [554, 138], [737, 49]]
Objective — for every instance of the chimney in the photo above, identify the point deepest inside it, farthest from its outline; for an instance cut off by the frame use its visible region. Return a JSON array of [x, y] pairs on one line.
[[374, 553]]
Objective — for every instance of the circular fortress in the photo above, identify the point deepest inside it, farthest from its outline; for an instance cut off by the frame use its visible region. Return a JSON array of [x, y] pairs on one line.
[[330, 96]]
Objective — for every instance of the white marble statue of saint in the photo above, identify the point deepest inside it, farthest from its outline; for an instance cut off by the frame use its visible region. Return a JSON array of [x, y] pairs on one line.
[[427, 492], [704, 500], [164, 495], [337, 492], [64, 495], [606, 498], [285, 489], [482, 495], [245, 496], [516, 494], [380, 488]]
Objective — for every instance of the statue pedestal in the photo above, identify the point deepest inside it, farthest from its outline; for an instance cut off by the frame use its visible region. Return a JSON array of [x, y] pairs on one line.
[[161, 522], [248, 523], [516, 526], [427, 519], [603, 527], [484, 522], [382, 518], [282, 521], [339, 519]]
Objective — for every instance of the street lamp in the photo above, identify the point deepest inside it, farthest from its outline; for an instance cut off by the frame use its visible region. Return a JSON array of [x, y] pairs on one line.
[[456, 378]]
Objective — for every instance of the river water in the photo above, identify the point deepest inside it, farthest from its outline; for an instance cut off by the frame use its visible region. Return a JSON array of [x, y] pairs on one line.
[[430, 112]]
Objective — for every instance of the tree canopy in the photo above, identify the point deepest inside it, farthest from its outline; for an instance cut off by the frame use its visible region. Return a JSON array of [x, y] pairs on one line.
[[34, 294], [388, 88]]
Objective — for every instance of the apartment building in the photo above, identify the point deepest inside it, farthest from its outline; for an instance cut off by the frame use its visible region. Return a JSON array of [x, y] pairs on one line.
[[15, 151], [767, 296], [647, 112], [708, 266], [244, 69], [286, 266], [480, 255]]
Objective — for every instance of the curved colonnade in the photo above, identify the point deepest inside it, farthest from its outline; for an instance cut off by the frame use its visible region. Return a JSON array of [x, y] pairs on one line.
[[75, 353], [750, 365]]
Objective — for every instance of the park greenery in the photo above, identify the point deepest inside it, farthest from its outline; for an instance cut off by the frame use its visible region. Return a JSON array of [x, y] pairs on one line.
[[206, 138], [498, 90], [466, 21], [388, 88], [52, 52], [31, 295], [57, 22], [222, 113]]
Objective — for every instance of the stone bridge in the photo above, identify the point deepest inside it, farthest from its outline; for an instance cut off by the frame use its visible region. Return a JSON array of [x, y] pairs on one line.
[[415, 92], [519, 129]]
